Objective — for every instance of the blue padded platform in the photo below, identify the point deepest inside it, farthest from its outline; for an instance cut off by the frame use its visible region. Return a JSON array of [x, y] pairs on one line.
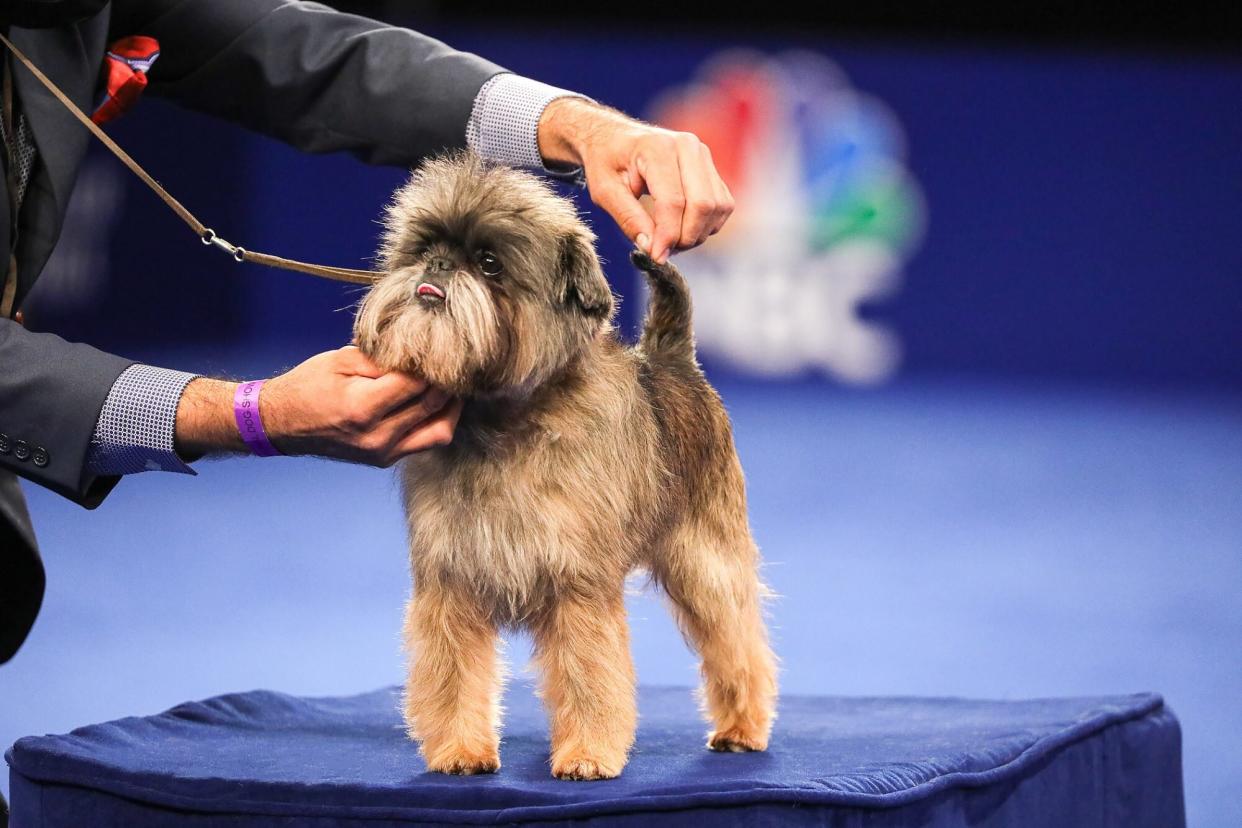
[[265, 758]]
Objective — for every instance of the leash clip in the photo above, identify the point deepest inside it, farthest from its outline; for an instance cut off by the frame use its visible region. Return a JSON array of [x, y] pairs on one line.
[[211, 238]]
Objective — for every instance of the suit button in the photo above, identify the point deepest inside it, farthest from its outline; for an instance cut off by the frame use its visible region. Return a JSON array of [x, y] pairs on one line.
[[5, 445], [40, 456], [21, 450]]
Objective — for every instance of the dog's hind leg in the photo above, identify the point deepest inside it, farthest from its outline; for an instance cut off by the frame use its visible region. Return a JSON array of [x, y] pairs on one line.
[[583, 649], [715, 592], [452, 694]]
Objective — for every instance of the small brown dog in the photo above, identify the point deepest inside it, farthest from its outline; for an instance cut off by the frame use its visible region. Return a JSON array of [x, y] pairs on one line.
[[576, 461]]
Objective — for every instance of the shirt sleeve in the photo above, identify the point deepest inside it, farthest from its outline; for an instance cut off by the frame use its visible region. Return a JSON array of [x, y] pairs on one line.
[[138, 423], [504, 123]]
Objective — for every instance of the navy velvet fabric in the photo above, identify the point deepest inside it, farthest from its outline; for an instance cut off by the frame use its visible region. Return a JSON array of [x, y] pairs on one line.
[[265, 758]]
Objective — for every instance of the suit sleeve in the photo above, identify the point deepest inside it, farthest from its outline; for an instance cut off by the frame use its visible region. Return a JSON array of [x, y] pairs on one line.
[[51, 393], [318, 79]]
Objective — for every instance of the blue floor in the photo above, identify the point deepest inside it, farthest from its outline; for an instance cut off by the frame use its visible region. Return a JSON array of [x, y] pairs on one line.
[[935, 539]]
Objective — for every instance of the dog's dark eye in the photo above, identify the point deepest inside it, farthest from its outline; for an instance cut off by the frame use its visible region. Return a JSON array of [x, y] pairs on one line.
[[489, 264]]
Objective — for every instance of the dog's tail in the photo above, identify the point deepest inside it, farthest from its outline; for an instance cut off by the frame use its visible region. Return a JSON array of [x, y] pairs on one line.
[[667, 329]]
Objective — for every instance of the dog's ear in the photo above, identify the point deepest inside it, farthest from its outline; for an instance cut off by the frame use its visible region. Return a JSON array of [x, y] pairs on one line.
[[584, 284]]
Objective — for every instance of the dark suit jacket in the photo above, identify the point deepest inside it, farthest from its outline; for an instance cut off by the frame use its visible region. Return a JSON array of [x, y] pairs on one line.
[[317, 79]]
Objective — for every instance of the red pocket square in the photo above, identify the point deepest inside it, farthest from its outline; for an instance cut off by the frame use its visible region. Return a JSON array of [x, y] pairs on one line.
[[127, 63]]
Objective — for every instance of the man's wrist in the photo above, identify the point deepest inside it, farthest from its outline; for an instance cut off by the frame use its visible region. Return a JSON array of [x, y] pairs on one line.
[[564, 129], [560, 131], [205, 421], [570, 125]]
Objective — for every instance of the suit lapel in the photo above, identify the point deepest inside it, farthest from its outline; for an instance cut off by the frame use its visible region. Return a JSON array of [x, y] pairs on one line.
[[71, 57]]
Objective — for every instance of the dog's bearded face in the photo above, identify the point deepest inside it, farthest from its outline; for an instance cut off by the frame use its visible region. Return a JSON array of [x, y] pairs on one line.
[[491, 283]]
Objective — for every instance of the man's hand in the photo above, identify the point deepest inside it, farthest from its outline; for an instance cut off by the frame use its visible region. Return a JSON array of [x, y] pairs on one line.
[[624, 159], [337, 404]]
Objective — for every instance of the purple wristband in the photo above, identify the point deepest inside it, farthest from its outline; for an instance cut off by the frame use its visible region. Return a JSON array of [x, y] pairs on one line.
[[246, 411]]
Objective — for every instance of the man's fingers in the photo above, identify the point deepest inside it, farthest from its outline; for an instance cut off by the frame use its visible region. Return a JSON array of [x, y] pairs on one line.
[[634, 182], [424, 407], [698, 178], [620, 202], [724, 198], [390, 392], [387, 441], [436, 431], [662, 174], [387, 390]]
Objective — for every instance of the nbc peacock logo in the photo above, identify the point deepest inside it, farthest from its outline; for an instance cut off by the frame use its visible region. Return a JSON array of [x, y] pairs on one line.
[[827, 215]]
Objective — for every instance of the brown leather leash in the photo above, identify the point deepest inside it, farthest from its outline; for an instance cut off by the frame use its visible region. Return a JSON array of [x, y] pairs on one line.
[[205, 234]]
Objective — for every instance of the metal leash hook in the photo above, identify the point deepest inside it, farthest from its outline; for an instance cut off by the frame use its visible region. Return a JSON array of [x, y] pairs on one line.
[[210, 237]]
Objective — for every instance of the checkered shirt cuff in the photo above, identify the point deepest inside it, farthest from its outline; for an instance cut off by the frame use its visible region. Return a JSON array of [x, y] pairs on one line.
[[138, 422], [504, 123]]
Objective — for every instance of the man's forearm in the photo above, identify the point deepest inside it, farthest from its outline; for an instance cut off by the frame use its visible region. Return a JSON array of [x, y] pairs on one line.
[[205, 422], [336, 404]]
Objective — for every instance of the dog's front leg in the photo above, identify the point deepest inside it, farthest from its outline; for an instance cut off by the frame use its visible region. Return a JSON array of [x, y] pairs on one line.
[[583, 649], [452, 697]]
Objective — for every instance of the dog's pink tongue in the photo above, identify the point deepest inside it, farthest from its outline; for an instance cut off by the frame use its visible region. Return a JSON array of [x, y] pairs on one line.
[[428, 289]]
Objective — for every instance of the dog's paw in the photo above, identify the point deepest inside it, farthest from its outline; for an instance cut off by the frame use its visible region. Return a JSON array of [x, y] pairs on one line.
[[580, 767], [736, 740], [462, 762]]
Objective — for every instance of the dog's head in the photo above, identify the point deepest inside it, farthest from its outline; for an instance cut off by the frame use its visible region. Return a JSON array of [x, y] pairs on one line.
[[491, 282]]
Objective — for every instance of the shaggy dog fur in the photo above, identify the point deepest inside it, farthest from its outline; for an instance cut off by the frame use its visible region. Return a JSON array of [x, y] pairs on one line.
[[576, 461]]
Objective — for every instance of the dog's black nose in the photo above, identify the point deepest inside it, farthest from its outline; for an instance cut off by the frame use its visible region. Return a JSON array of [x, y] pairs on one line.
[[437, 263]]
